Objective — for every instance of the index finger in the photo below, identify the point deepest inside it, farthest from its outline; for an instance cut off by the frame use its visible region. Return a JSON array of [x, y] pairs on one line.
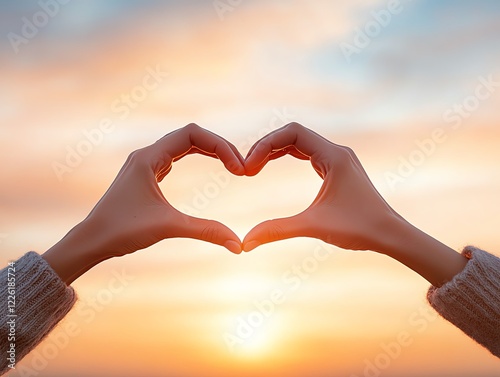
[[193, 138], [302, 139]]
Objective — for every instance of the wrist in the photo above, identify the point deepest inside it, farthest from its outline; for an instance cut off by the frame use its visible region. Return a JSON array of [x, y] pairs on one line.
[[76, 252], [430, 258], [390, 236], [397, 235]]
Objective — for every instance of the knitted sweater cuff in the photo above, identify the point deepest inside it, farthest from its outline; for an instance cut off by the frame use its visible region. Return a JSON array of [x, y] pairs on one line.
[[42, 299], [470, 300]]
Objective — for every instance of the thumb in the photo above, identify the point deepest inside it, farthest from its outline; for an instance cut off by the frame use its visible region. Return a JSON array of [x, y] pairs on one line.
[[209, 231], [274, 230]]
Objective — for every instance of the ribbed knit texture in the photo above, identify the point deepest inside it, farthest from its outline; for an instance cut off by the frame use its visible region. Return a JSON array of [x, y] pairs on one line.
[[42, 300], [471, 300]]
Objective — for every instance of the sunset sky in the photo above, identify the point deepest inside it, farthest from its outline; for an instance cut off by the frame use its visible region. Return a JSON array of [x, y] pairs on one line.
[[414, 89]]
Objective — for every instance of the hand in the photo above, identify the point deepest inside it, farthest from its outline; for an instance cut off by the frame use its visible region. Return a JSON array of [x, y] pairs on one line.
[[133, 214], [348, 211]]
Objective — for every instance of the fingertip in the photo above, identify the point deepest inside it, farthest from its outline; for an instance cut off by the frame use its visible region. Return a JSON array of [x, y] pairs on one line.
[[240, 170], [253, 167], [250, 245], [233, 246], [236, 167], [251, 172]]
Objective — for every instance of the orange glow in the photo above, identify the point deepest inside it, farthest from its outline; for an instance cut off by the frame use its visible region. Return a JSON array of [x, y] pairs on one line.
[[192, 309]]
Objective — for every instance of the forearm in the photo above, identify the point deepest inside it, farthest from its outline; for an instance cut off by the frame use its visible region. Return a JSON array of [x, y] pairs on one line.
[[431, 259]]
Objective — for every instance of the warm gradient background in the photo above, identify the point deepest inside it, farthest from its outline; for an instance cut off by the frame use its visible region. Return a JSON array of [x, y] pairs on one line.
[[232, 76]]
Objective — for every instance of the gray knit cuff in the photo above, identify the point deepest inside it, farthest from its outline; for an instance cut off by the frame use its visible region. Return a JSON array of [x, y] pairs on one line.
[[471, 300], [42, 299]]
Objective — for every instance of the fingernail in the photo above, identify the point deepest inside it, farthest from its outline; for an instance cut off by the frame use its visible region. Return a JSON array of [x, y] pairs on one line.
[[233, 247], [250, 245]]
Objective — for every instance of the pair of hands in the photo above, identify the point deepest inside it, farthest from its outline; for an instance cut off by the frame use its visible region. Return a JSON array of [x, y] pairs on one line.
[[133, 214]]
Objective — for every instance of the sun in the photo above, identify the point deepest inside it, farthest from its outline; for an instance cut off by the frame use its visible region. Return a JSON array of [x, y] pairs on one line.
[[258, 345], [250, 318]]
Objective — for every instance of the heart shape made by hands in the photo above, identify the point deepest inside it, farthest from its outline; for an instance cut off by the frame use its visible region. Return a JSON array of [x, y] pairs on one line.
[[347, 212]]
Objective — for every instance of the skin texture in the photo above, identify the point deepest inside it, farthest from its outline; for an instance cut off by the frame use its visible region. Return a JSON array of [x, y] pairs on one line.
[[133, 214], [348, 211]]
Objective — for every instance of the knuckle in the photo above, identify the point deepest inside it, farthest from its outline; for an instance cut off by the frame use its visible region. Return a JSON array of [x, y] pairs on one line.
[[136, 155], [294, 126], [191, 127], [345, 154], [210, 233], [350, 151], [275, 232]]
